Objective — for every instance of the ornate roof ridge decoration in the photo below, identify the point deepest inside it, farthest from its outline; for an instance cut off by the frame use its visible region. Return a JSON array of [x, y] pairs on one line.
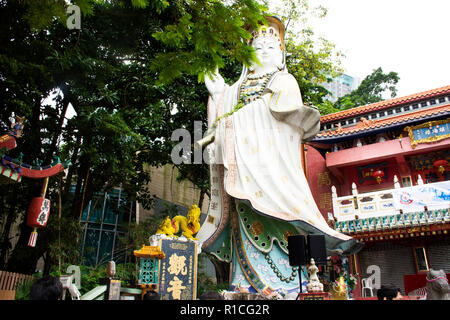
[[29, 171], [14, 169], [384, 104], [397, 226], [366, 125]]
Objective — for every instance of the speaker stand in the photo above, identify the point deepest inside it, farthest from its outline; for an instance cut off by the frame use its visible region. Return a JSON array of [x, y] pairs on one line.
[[300, 282]]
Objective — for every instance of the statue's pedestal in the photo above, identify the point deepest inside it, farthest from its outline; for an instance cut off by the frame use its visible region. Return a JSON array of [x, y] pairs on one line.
[[315, 296]]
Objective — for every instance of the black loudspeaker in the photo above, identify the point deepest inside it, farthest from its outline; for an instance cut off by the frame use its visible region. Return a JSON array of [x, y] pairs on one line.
[[297, 250], [317, 249]]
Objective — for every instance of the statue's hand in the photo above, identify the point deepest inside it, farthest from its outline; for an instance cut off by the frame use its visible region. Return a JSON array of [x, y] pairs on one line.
[[214, 83]]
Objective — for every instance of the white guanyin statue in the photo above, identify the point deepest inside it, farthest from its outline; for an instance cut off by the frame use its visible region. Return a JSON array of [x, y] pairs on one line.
[[259, 193]]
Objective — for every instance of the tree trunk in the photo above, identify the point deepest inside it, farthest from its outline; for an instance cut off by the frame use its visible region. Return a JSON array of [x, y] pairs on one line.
[[11, 217], [23, 258], [222, 270], [201, 198], [81, 184]]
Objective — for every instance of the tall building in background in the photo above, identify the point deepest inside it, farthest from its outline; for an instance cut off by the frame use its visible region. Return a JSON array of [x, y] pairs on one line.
[[340, 86]]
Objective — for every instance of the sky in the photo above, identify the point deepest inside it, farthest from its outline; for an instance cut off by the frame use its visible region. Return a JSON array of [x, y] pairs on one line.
[[410, 37]]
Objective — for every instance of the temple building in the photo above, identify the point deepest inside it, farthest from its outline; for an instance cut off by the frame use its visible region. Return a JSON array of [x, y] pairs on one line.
[[380, 173]]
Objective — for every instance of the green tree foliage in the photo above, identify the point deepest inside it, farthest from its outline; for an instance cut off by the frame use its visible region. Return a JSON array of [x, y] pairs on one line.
[[370, 90], [138, 234], [311, 68], [311, 60]]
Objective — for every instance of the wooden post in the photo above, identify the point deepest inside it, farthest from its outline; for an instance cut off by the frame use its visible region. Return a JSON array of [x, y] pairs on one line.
[[44, 187]]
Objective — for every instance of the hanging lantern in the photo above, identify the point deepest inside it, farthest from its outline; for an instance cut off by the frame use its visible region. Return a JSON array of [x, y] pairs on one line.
[[378, 175], [440, 164], [38, 214]]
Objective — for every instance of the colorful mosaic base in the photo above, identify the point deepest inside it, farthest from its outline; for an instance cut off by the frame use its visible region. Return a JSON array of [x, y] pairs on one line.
[[262, 271], [263, 231]]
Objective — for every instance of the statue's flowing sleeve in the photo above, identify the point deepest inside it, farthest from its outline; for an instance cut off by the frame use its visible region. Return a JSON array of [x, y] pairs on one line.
[[286, 105]]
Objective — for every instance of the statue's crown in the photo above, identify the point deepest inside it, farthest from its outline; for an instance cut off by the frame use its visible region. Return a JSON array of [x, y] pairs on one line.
[[274, 29], [266, 32]]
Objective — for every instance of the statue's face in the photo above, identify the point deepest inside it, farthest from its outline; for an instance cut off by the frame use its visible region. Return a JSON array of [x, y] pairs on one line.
[[268, 52]]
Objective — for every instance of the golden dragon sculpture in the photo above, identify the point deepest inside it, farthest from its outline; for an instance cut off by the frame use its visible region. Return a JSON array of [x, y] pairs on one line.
[[189, 225]]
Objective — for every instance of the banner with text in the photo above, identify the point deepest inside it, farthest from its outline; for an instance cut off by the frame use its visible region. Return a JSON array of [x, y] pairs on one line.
[[433, 195]]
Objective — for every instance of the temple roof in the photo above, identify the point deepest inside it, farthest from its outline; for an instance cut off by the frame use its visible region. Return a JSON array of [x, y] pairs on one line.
[[149, 252], [369, 125], [384, 115], [14, 169], [384, 104]]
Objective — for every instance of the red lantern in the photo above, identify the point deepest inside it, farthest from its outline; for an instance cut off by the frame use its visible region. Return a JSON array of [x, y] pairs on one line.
[[440, 164], [379, 174], [38, 214], [37, 217]]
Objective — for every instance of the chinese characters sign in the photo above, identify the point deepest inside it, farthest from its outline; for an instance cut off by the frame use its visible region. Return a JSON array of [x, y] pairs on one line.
[[429, 132], [45, 210], [178, 270]]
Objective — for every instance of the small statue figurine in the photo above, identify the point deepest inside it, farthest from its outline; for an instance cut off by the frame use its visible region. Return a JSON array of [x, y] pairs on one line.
[[314, 284], [16, 126]]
